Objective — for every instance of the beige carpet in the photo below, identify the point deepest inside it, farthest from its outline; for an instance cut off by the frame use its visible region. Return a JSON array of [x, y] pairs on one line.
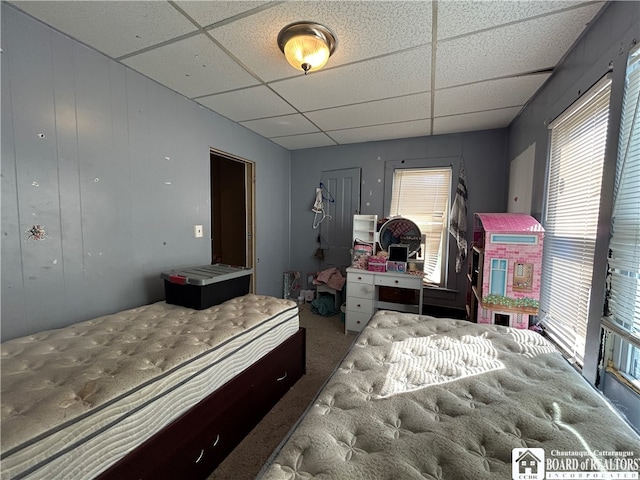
[[326, 345]]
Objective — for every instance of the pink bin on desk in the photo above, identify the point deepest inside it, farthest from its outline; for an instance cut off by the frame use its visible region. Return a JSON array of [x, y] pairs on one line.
[[377, 264]]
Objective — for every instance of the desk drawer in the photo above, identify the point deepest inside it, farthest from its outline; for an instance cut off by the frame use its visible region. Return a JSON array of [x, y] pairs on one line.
[[362, 305], [363, 277], [404, 281], [361, 290], [357, 321]]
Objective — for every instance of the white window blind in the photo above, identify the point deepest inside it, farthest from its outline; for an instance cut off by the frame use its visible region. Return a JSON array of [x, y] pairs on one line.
[[624, 247], [422, 195], [578, 140]]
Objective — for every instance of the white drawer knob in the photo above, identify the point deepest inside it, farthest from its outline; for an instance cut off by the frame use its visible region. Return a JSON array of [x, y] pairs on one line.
[[282, 378]]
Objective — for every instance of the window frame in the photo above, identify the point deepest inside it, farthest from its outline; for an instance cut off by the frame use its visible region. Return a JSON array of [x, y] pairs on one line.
[[625, 337], [425, 164], [559, 329]]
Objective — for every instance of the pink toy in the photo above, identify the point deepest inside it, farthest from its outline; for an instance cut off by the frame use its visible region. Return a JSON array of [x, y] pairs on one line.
[[505, 264]]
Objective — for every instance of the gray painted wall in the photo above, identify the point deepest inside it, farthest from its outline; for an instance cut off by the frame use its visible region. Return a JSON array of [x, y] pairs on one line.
[[487, 179], [116, 211], [606, 43]]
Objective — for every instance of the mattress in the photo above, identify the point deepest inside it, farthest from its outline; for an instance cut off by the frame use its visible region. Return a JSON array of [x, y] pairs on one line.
[[106, 385], [419, 397]]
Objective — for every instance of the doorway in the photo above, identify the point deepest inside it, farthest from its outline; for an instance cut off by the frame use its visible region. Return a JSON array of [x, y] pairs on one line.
[[232, 207]]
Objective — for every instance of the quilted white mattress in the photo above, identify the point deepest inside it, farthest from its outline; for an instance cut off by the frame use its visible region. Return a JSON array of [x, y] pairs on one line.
[[419, 397], [77, 399]]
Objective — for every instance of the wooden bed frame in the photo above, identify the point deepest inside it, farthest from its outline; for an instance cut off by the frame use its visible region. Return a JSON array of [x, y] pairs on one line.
[[192, 446]]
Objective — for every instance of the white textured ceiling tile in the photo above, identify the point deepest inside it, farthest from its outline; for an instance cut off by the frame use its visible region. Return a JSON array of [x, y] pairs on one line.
[[376, 86], [411, 107], [470, 122], [114, 28], [208, 13], [194, 67], [359, 82], [363, 30], [417, 128], [492, 94], [308, 140], [462, 17], [523, 47], [281, 126], [247, 104]]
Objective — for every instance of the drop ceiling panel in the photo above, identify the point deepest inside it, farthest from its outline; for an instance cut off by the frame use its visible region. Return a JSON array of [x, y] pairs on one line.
[[393, 110], [247, 104], [463, 17], [208, 13], [281, 126], [376, 86], [309, 140], [417, 128], [359, 82], [114, 28], [492, 94], [363, 30], [523, 47], [194, 67], [475, 121]]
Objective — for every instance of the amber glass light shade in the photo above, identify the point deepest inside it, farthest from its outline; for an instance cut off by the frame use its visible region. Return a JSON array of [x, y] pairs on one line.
[[306, 52], [306, 46]]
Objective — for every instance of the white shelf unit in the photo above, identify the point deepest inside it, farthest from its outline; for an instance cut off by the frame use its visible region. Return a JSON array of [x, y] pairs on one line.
[[365, 230]]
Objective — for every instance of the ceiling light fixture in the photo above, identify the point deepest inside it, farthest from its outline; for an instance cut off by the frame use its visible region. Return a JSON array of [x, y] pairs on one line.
[[306, 45]]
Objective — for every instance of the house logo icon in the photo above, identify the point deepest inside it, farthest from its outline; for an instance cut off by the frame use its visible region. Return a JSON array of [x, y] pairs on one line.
[[527, 463]]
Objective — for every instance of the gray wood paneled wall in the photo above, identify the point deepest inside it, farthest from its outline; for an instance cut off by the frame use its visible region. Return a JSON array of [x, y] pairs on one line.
[[115, 167]]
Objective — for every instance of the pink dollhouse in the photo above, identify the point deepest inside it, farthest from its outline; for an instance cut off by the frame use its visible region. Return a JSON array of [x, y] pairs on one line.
[[504, 269]]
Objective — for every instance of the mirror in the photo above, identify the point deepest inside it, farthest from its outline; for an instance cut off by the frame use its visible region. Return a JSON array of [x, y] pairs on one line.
[[401, 231]]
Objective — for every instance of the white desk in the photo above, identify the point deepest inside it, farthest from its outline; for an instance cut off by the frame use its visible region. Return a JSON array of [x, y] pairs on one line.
[[362, 295]]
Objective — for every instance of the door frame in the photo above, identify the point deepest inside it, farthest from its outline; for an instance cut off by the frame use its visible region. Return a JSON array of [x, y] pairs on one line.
[[250, 196]]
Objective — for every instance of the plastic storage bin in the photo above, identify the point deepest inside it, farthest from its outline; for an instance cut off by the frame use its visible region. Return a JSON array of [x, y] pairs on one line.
[[377, 264], [205, 286]]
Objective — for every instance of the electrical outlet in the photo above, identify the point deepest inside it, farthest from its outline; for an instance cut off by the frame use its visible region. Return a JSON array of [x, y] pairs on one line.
[[197, 231]]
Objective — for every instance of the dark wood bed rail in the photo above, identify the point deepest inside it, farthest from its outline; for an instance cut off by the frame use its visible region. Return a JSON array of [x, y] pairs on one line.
[[192, 446]]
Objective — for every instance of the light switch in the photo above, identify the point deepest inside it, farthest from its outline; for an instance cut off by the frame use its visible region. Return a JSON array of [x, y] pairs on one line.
[[197, 231]]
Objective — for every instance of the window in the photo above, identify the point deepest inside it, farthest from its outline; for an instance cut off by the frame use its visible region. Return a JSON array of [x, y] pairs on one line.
[[623, 299], [422, 195], [498, 278], [578, 140]]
